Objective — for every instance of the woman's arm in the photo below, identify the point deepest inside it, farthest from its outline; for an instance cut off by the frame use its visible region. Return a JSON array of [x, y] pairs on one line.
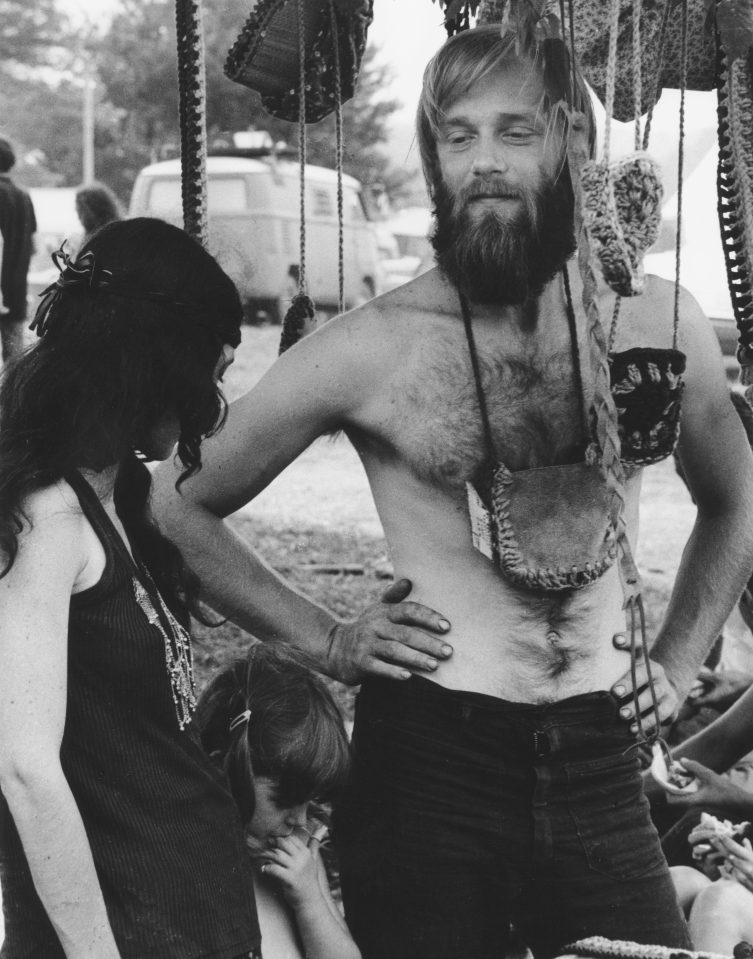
[[34, 604]]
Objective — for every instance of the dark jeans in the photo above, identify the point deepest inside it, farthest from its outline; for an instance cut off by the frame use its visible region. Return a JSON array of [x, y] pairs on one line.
[[467, 813]]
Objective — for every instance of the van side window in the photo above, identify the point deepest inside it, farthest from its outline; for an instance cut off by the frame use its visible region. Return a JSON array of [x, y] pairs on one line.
[[323, 205], [354, 208]]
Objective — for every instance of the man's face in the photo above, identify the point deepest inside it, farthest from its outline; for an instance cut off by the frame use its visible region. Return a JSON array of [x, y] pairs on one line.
[[504, 218], [493, 147]]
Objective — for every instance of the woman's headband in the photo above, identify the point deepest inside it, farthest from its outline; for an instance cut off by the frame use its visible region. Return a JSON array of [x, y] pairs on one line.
[[84, 275]]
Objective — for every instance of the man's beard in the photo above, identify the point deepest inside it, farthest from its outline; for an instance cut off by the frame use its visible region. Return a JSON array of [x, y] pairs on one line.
[[501, 258]]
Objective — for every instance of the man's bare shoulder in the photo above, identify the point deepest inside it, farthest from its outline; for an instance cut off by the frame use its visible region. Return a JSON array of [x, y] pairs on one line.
[[422, 300]]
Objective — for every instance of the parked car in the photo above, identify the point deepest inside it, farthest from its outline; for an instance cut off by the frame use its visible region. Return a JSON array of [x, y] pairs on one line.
[[254, 227]]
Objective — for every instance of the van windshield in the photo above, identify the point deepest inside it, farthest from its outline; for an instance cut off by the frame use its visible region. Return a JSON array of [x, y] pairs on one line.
[[224, 195]]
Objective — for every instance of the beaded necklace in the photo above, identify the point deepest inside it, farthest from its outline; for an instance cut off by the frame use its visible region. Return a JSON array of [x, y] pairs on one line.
[[178, 650]]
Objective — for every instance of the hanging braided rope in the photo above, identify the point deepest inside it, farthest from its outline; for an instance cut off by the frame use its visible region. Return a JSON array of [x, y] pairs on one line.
[[680, 169], [735, 194], [605, 446], [302, 309], [338, 164], [192, 115]]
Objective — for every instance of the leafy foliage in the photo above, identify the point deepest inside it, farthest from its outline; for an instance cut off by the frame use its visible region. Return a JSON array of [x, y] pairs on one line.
[[135, 63], [29, 31]]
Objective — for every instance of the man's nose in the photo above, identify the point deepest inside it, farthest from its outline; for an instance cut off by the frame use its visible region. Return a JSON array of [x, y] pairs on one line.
[[489, 158]]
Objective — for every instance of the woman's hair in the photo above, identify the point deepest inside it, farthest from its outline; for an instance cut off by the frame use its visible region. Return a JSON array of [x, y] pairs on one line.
[[470, 56], [293, 732], [131, 332], [96, 205]]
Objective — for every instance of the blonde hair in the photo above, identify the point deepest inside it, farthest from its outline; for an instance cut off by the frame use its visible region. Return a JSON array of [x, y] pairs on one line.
[[472, 55]]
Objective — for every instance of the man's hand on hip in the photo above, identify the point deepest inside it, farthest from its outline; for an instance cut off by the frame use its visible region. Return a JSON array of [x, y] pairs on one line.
[[391, 638], [665, 695]]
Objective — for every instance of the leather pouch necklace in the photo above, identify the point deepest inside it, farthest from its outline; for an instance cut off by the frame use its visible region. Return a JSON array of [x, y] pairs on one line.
[[549, 528]]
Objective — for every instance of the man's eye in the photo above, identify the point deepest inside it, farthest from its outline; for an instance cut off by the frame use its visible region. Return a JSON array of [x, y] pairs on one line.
[[519, 135]]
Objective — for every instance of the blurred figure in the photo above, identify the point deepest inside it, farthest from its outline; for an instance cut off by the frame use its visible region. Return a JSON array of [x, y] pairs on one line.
[[17, 225], [96, 205]]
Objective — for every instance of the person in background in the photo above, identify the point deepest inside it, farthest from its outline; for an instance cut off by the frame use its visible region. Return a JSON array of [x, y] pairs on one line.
[[270, 723], [96, 205], [18, 226], [118, 836]]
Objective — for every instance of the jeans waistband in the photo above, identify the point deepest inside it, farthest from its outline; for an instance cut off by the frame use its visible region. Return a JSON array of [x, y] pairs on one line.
[[576, 723]]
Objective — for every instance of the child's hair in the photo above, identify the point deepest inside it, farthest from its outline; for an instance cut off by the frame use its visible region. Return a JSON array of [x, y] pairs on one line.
[[286, 727], [131, 332]]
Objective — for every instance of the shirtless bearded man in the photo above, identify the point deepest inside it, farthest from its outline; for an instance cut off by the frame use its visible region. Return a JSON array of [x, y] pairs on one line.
[[495, 780]]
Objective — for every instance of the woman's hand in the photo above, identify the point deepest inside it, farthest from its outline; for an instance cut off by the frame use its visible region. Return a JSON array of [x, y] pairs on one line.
[[714, 791], [738, 859], [293, 863], [719, 689]]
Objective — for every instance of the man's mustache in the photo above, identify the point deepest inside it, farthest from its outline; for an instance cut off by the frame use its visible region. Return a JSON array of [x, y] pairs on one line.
[[493, 188]]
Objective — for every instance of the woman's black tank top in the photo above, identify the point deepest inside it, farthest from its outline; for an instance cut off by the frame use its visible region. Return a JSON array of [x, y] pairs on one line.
[[163, 827]]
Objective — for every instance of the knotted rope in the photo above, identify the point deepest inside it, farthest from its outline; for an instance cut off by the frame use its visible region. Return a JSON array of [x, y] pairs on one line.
[[735, 193], [192, 115], [302, 307]]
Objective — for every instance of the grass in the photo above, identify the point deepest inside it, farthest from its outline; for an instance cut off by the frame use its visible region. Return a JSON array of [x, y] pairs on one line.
[[319, 511]]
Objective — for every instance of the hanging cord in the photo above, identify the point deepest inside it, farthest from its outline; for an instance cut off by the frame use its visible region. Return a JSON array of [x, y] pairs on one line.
[[637, 79], [614, 17], [639, 648], [192, 116], [657, 72], [301, 308], [680, 167], [338, 160]]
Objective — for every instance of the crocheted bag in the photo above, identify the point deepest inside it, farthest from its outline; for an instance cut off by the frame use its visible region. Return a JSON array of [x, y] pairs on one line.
[[621, 206], [265, 57], [591, 23]]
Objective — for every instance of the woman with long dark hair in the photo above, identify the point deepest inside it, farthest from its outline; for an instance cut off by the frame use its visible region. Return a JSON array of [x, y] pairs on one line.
[[117, 836]]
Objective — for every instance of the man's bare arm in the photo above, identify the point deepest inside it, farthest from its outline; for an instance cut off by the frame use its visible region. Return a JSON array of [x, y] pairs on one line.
[[718, 556], [323, 384], [718, 466]]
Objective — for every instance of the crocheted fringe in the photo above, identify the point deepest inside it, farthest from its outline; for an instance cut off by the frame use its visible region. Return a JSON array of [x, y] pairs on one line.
[[301, 309], [597, 947]]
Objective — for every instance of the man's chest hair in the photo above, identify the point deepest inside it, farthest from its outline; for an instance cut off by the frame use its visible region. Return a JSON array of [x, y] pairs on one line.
[[532, 398]]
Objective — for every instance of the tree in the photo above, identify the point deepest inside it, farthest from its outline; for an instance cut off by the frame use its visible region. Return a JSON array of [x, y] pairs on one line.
[[29, 32], [137, 66]]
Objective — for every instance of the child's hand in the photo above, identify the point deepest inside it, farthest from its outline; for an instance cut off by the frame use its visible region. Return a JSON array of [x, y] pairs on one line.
[[293, 864]]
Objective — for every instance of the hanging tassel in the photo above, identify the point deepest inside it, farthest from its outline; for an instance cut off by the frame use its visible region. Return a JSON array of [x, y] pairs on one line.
[[301, 312]]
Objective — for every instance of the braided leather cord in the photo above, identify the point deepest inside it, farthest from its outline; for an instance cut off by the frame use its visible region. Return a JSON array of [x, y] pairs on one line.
[[192, 112], [735, 195], [605, 445]]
